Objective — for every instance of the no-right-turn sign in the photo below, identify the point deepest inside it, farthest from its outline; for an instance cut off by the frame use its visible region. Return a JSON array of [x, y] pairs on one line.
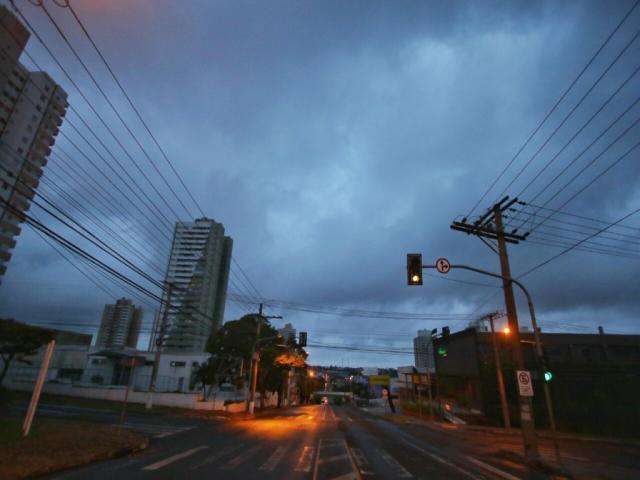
[[524, 383]]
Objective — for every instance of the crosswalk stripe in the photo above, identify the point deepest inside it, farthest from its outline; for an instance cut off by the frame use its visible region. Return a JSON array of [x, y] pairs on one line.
[[361, 461], [492, 469], [174, 458], [400, 471], [218, 455], [306, 457], [240, 459], [274, 459]]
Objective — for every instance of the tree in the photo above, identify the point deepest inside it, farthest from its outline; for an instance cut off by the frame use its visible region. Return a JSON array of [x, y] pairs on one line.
[[19, 340]]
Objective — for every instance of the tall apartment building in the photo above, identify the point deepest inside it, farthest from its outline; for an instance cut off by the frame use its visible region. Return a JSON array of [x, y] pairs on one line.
[[120, 325], [32, 107], [423, 350], [199, 272]]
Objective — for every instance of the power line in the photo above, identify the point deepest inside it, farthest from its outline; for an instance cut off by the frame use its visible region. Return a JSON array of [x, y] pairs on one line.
[[555, 106]]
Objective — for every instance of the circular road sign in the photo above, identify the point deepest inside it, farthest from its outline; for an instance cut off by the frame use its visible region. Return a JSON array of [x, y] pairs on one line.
[[524, 378], [443, 265]]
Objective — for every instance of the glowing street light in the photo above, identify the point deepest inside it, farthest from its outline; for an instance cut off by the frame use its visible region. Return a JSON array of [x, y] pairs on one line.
[[506, 330]]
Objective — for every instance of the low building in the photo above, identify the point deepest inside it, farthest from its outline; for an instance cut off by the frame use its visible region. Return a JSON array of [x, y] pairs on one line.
[[113, 367], [67, 362], [595, 378]]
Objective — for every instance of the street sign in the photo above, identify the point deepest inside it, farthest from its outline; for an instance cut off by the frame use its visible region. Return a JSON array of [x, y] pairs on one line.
[[524, 383], [443, 265]]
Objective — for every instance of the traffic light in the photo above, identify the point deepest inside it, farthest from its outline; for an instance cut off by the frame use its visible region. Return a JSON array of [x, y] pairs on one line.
[[414, 269], [302, 341], [442, 351], [548, 376]]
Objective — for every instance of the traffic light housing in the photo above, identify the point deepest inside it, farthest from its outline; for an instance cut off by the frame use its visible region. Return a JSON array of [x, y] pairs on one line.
[[414, 269], [302, 340], [548, 376]]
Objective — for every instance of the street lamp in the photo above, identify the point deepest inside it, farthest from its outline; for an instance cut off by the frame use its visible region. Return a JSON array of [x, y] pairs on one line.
[[506, 330]]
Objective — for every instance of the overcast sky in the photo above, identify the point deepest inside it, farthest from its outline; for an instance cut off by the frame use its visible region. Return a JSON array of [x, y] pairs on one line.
[[332, 138]]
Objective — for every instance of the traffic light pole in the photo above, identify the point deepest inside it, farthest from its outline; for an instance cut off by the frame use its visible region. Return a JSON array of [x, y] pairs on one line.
[[532, 455]]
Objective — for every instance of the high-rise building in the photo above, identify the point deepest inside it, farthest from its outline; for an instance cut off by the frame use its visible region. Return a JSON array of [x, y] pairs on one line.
[[423, 350], [32, 107], [120, 325], [198, 273], [287, 332]]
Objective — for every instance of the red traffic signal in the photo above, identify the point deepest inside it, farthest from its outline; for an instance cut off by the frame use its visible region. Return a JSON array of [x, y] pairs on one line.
[[414, 269]]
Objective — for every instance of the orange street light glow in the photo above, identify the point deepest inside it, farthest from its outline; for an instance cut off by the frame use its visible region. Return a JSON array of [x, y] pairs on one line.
[[506, 330]]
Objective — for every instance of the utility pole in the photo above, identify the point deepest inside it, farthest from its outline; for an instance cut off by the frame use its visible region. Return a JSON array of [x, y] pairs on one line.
[[526, 404], [496, 355], [159, 344], [490, 225], [255, 359]]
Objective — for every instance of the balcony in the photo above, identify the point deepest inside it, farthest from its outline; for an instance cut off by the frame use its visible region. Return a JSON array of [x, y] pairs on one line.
[[7, 242], [10, 227], [5, 256], [30, 179]]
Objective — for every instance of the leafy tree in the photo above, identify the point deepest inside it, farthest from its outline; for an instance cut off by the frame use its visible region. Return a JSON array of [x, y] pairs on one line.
[[234, 342], [19, 340]]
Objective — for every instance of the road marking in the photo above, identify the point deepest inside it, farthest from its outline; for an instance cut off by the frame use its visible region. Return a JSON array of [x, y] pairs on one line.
[[361, 461], [492, 469], [399, 470], [240, 459], [274, 459], [218, 455], [173, 432], [315, 466], [305, 460], [335, 458], [438, 458], [174, 458]]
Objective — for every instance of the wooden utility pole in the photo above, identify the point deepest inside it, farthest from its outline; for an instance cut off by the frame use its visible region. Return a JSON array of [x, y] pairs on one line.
[[526, 404]]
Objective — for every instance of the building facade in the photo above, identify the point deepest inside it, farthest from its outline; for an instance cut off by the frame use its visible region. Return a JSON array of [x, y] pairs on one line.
[[423, 351], [198, 273], [32, 107], [120, 325], [595, 377]]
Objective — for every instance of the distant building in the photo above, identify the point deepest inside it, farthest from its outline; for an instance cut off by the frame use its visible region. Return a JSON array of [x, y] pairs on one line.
[[120, 325], [423, 351], [595, 381], [32, 107], [288, 332], [199, 272]]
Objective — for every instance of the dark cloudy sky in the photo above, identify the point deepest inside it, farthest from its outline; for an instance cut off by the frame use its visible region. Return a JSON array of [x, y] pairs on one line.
[[332, 138]]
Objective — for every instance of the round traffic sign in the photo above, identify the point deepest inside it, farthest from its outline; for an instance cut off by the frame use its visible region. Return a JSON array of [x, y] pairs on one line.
[[443, 265], [524, 378]]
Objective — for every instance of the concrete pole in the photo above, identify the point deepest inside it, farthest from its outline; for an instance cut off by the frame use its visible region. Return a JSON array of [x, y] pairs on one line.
[[158, 351], [529, 438], [429, 391], [253, 373], [35, 397], [503, 397], [126, 392]]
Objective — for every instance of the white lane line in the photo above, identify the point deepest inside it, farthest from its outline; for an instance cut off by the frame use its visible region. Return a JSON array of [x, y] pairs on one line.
[[315, 465], [173, 432], [492, 469], [438, 458], [174, 458], [361, 461], [240, 459], [274, 459], [354, 468], [335, 458], [218, 455], [305, 460], [399, 470]]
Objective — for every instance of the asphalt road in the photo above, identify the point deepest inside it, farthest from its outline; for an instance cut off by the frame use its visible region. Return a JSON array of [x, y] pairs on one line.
[[309, 442]]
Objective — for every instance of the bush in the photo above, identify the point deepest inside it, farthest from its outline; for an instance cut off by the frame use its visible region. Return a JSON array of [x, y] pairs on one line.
[[5, 397]]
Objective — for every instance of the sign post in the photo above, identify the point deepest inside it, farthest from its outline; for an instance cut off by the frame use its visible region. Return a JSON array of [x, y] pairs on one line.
[[524, 383]]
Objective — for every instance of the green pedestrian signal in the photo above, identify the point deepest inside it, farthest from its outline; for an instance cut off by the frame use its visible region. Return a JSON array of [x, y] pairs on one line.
[[548, 376], [442, 351]]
